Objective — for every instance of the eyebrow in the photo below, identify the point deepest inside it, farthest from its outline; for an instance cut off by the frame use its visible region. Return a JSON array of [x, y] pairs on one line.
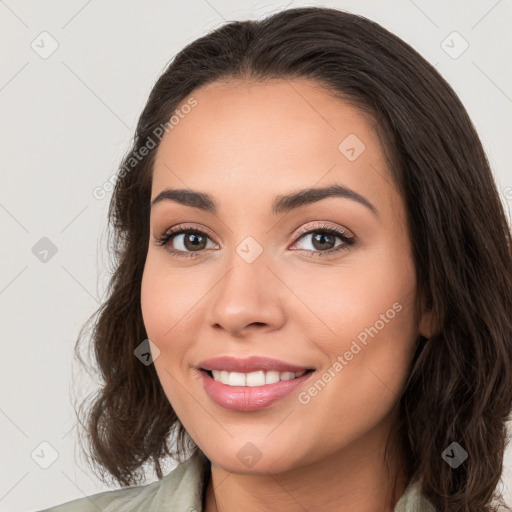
[[281, 204]]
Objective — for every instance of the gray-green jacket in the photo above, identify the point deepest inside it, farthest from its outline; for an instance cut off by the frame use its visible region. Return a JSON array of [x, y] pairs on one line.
[[182, 491]]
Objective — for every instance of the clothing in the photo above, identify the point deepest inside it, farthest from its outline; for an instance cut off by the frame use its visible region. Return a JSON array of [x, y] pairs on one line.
[[183, 489]]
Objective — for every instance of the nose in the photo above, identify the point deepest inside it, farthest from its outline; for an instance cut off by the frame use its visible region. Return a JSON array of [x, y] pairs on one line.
[[248, 297]]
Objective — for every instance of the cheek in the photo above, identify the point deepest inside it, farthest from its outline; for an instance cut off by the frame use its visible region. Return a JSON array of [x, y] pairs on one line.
[[161, 308], [383, 302], [377, 287], [375, 325], [164, 301], [372, 314], [389, 277], [153, 303], [169, 305]]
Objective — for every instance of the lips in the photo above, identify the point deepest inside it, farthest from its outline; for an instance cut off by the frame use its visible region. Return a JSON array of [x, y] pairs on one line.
[[250, 364], [250, 397]]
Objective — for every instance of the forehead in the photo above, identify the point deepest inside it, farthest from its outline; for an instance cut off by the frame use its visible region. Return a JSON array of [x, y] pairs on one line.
[[264, 138]]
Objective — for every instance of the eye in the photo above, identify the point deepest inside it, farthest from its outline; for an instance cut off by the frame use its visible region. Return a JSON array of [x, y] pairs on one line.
[[323, 239], [189, 241]]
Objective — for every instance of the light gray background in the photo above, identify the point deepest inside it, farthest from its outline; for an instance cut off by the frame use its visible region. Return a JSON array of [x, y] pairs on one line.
[[66, 122]]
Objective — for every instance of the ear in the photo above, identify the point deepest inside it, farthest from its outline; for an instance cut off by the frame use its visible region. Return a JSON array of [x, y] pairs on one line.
[[426, 326]]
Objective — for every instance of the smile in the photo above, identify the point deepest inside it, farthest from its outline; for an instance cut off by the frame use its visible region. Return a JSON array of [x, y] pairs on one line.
[[252, 395], [257, 378]]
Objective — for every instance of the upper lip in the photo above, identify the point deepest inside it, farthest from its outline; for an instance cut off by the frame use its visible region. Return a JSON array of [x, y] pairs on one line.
[[249, 364]]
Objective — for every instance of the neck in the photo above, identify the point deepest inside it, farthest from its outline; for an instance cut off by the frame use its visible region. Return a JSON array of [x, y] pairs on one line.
[[354, 478]]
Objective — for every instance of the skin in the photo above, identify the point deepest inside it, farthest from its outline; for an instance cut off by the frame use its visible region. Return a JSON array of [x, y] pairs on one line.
[[245, 143]]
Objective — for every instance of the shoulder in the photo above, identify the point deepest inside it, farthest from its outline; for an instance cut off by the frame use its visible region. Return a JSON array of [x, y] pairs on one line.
[[180, 490], [413, 501]]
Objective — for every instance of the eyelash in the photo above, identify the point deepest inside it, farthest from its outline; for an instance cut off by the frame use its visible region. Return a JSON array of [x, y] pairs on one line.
[[348, 241]]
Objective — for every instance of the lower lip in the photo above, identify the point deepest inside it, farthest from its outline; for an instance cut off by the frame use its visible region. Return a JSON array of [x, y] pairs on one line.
[[249, 398]]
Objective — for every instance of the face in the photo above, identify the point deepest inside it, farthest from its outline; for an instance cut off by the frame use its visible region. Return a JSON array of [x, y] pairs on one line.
[[325, 284]]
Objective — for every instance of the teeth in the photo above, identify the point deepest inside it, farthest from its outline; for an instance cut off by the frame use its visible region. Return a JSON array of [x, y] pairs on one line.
[[254, 378], [236, 379], [258, 378], [271, 377]]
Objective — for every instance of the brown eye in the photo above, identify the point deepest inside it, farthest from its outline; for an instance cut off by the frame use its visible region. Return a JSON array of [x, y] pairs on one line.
[[184, 242], [323, 240], [192, 241]]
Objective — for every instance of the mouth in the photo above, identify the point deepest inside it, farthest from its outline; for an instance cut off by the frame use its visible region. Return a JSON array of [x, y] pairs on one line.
[[252, 383], [254, 378], [249, 365]]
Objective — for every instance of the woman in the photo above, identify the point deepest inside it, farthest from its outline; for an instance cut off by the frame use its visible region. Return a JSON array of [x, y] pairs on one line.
[[313, 296]]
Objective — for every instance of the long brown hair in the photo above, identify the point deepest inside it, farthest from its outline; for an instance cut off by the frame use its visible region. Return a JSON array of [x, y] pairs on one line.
[[460, 384]]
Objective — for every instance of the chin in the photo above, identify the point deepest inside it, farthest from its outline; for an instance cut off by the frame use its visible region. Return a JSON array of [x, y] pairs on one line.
[[249, 460]]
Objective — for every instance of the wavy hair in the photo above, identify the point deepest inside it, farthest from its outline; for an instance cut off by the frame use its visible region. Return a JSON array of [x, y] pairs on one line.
[[460, 383]]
